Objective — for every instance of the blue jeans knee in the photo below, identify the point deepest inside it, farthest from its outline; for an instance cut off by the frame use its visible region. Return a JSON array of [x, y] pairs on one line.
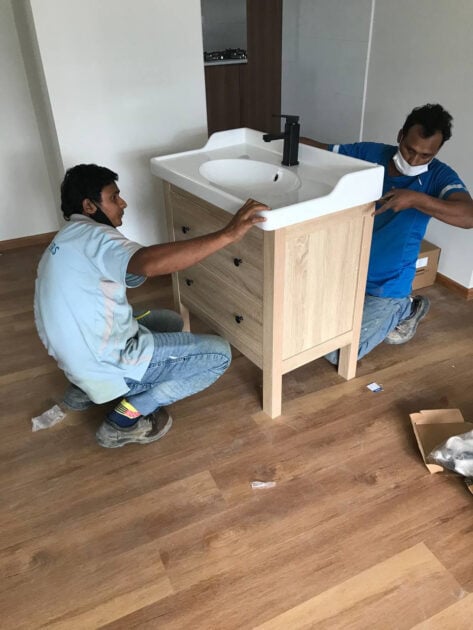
[[182, 364], [159, 320]]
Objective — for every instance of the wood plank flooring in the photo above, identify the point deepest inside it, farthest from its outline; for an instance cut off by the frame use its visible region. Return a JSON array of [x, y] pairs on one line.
[[356, 534]]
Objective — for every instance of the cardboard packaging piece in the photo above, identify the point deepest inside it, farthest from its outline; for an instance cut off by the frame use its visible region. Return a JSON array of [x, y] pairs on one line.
[[433, 427], [426, 265]]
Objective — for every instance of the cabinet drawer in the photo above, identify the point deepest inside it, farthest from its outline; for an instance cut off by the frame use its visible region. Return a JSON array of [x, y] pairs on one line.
[[236, 316], [204, 217], [240, 264]]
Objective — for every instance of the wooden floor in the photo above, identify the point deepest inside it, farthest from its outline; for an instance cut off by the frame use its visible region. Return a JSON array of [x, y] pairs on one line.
[[355, 534]]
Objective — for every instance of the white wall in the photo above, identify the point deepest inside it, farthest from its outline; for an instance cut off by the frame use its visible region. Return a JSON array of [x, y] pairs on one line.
[[325, 44], [123, 81], [28, 204], [224, 24], [126, 83], [419, 52]]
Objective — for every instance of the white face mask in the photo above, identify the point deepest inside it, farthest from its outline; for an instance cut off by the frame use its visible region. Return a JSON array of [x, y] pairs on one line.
[[406, 169]]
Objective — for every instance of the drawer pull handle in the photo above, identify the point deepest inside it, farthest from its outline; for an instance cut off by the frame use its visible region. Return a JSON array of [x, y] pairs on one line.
[[237, 262], [185, 229], [189, 282], [238, 319]]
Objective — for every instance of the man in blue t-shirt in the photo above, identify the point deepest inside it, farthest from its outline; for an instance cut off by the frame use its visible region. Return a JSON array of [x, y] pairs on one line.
[[416, 187], [83, 317]]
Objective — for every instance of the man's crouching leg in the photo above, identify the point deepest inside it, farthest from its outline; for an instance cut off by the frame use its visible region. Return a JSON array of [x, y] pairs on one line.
[[406, 328], [182, 364], [380, 317]]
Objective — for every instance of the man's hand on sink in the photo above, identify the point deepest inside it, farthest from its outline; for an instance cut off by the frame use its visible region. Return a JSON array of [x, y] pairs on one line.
[[244, 219]]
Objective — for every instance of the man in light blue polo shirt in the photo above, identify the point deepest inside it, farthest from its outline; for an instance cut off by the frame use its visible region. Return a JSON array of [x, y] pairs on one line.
[[417, 186], [86, 323]]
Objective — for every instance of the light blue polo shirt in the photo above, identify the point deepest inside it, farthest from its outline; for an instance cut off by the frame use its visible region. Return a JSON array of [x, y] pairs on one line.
[[397, 236], [82, 313]]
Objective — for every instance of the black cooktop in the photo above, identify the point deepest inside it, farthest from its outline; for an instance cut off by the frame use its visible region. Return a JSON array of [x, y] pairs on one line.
[[224, 55]]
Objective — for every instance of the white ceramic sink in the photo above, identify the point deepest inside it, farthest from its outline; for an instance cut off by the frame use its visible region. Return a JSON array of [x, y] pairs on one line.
[[237, 164], [250, 177]]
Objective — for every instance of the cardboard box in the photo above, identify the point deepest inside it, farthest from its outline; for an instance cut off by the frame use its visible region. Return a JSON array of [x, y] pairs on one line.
[[426, 265], [433, 427]]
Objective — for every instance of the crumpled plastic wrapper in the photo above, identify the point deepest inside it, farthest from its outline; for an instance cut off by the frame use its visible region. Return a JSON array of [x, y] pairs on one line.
[[49, 418], [263, 484], [456, 454]]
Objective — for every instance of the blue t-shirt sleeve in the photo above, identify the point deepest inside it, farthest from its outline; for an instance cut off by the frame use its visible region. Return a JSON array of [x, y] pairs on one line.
[[374, 152], [132, 280], [446, 182], [352, 150]]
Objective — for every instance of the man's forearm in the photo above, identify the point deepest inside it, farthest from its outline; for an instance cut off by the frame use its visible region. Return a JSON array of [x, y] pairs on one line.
[[454, 211], [158, 260], [457, 210]]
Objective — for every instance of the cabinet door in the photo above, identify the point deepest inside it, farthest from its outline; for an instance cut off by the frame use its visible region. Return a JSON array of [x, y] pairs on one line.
[[239, 264], [321, 280]]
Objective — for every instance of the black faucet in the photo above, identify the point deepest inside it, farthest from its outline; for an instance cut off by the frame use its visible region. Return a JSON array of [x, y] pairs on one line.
[[290, 137]]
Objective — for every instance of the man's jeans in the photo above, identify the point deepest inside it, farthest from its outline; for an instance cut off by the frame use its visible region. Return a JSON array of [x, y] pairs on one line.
[[380, 317], [182, 363]]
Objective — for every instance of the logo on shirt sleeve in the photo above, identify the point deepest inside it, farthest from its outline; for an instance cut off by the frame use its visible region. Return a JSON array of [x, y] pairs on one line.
[[53, 248]]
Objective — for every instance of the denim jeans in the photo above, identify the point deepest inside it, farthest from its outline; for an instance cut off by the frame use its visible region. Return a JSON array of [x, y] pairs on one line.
[[380, 317], [182, 363]]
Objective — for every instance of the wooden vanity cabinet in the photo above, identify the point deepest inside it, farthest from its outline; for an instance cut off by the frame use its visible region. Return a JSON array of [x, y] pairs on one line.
[[283, 297]]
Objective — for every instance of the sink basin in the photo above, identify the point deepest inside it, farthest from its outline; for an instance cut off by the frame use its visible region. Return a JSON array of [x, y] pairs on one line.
[[250, 176], [237, 164]]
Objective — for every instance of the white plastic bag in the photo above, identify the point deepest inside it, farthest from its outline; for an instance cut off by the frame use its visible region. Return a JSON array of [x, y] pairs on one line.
[[456, 454]]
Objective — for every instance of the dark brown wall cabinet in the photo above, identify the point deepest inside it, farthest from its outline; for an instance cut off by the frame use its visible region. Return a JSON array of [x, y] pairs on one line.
[[225, 88], [248, 95]]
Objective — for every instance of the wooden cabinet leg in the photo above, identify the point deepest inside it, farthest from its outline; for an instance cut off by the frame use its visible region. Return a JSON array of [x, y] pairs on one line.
[[273, 300], [272, 393], [347, 361], [349, 354]]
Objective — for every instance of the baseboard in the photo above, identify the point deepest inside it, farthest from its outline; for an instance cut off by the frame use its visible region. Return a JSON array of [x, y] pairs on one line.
[[27, 241], [453, 286]]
